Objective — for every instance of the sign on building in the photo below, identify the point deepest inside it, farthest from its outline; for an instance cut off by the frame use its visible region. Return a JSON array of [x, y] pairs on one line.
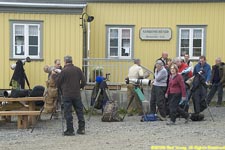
[[155, 33]]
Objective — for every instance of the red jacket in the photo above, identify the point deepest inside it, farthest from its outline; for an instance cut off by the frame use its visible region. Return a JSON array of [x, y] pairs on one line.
[[182, 67], [176, 85]]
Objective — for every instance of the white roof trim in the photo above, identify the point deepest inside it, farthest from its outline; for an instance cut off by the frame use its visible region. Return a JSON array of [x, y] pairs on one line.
[[41, 5]]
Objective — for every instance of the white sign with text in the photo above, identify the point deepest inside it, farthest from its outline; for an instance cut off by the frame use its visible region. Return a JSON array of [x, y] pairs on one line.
[[155, 33]]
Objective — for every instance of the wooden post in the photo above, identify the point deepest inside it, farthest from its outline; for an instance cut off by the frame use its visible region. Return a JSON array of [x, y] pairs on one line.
[[22, 122]]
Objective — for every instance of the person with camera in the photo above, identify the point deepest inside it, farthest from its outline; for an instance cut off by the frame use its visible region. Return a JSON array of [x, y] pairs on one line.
[[52, 98], [70, 80], [135, 72], [217, 80], [175, 92], [159, 90], [202, 73]]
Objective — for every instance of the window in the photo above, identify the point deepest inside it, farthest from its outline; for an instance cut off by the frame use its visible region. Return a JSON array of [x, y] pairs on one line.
[[120, 42], [26, 40], [191, 41]]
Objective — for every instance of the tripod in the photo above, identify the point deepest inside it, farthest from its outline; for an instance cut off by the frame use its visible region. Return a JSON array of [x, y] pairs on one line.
[[199, 79], [103, 91], [59, 99], [137, 91]]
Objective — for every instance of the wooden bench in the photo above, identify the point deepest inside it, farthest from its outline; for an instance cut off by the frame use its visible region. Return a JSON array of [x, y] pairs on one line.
[[25, 118], [22, 121]]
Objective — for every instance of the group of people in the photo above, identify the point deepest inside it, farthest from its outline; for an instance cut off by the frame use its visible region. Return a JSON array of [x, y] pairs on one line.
[[170, 87], [176, 81]]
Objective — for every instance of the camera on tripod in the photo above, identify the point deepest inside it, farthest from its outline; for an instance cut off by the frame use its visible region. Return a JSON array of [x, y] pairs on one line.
[[13, 66], [99, 79], [138, 81]]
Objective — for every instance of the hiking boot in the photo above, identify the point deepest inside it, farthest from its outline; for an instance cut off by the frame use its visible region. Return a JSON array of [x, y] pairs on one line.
[[187, 119], [69, 133], [170, 123], [81, 131]]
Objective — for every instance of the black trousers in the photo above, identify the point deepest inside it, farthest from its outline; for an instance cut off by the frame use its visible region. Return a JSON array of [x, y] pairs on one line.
[[158, 98], [68, 102], [174, 107]]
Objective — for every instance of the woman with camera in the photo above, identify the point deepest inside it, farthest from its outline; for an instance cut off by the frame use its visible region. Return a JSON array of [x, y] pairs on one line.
[[176, 92]]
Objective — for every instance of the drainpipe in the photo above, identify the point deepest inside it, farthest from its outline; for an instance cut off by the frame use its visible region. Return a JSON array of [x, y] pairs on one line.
[[86, 42]]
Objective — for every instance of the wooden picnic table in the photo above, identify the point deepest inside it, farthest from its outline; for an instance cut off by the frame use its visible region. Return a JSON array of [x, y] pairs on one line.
[[25, 118]]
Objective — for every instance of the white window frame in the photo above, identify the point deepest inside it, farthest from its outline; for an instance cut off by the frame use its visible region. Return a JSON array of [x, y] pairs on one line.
[[119, 28], [26, 25], [191, 38]]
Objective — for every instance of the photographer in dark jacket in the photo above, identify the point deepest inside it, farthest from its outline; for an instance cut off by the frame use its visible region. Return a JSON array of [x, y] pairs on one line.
[[217, 80], [70, 81]]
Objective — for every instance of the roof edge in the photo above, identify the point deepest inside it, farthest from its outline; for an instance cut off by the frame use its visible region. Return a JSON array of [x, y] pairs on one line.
[[41, 5]]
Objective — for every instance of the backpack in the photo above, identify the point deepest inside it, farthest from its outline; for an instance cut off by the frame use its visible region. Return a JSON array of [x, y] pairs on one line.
[[197, 117], [110, 113], [149, 117], [15, 93], [38, 91]]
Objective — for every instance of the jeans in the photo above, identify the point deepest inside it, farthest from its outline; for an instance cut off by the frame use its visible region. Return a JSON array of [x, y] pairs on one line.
[[216, 87], [77, 104]]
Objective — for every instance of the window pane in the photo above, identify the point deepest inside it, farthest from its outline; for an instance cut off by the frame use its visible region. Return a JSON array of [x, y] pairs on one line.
[[184, 51], [126, 34], [184, 34], [197, 34], [33, 50], [197, 43], [125, 51], [114, 33], [113, 51], [19, 40], [19, 30], [19, 50], [184, 42], [113, 42], [126, 43], [33, 30], [33, 40], [196, 51]]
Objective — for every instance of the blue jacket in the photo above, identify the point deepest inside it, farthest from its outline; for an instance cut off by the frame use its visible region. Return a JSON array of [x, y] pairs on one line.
[[207, 70]]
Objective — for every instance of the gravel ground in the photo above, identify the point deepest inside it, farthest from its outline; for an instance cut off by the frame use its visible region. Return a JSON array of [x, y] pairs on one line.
[[130, 134]]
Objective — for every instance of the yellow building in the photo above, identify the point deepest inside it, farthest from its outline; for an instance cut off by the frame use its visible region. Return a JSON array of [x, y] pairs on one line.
[[42, 31], [121, 31], [143, 29]]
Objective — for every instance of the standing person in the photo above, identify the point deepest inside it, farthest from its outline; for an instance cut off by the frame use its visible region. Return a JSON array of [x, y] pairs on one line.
[[52, 98], [217, 80], [159, 90], [135, 72], [70, 80], [49, 69], [175, 92], [188, 61], [202, 70], [183, 68], [164, 59]]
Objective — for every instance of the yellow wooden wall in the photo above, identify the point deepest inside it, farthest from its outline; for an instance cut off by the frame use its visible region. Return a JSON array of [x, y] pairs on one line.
[[62, 35], [158, 15]]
